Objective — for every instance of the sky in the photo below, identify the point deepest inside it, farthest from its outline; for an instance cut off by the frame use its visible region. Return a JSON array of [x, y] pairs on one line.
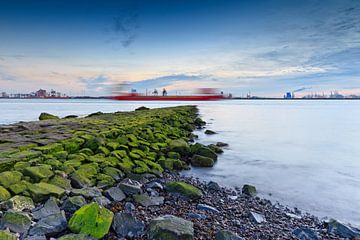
[[238, 46]]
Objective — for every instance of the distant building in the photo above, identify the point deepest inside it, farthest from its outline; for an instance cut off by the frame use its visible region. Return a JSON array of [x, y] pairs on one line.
[[288, 95], [4, 95], [41, 93]]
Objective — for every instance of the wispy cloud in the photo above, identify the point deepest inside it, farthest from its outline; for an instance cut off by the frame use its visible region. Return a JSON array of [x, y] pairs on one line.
[[125, 26], [96, 84]]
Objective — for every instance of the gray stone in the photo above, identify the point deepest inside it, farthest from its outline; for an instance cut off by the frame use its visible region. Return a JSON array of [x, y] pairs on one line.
[[125, 225], [305, 234], [155, 185], [37, 237], [174, 228], [16, 221], [73, 203], [18, 203], [88, 193], [213, 186], [49, 208], [196, 215], [341, 229], [207, 208], [73, 236], [147, 201], [227, 235], [115, 194], [103, 201], [256, 217], [50, 225], [130, 187], [129, 207]]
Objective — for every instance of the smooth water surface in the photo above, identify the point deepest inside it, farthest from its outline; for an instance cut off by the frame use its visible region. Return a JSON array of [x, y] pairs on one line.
[[304, 154]]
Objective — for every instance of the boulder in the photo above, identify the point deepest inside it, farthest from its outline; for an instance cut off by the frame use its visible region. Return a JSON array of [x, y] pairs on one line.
[[18, 188], [92, 220], [209, 132], [49, 208], [201, 161], [227, 235], [147, 201], [18, 203], [130, 187], [205, 152], [102, 201], [180, 146], [126, 225], [170, 227], [341, 229], [305, 233], [47, 116], [52, 189], [115, 173], [6, 235], [256, 217], [72, 204], [249, 190], [222, 144], [72, 236], [61, 182], [16, 222], [4, 194], [115, 194], [9, 178], [213, 186], [50, 226], [215, 148], [87, 193], [38, 172], [184, 189]]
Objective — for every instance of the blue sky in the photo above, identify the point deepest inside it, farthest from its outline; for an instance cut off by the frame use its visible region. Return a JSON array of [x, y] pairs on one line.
[[266, 47]]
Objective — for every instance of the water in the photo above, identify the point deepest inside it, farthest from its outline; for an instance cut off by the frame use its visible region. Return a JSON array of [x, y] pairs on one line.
[[303, 154]]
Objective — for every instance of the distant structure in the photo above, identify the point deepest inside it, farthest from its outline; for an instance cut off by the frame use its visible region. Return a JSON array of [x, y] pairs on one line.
[[289, 95], [41, 93]]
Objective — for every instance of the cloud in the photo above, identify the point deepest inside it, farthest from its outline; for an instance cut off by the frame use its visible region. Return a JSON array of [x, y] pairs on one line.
[[6, 76], [97, 83], [125, 28]]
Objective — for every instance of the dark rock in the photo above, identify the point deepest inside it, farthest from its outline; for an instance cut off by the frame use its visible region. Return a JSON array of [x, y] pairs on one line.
[[170, 227], [207, 208], [37, 237], [249, 190], [196, 215], [72, 204], [115, 194], [209, 132], [213, 186], [88, 193], [79, 236], [305, 234], [130, 187], [70, 116], [50, 226], [49, 208], [129, 207], [221, 144], [142, 108], [226, 235], [16, 222], [125, 225], [201, 161], [341, 229], [147, 201], [154, 185], [102, 201]]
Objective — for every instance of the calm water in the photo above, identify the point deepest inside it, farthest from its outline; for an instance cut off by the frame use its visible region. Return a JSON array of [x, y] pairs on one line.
[[304, 154]]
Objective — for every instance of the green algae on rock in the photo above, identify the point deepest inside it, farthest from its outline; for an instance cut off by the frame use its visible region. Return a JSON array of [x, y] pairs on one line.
[[184, 189], [47, 116], [92, 220]]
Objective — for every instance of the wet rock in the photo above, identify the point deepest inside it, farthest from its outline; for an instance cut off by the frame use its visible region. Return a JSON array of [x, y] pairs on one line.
[[207, 208], [341, 229], [184, 189], [170, 227], [249, 190], [18, 203], [130, 187], [209, 132], [6, 235], [201, 161], [9, 178], [38, 172], [215, 148], [204, 151], [76, 237], [196, 215], [125, 225], [36, 237], [88, 193], [256, 217], [305, 234], [179, 146], [16, 222], [91, 219], [226, 235], [47, 116], [50, 225], [147, 201], [155, 185], [102, 201], [4, 194], [221, 144], [129, 207], [142, 108], [72, 204], [49, 208], [115, 194]]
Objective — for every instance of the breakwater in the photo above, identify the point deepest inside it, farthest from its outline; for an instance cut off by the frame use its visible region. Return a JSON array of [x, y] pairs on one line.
[[114, 175]]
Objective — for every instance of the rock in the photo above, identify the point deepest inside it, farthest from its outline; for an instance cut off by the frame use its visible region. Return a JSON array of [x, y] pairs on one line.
[[215, 148], [207, 208], [115, 173], [38, 172], [18, 188], [209, 132], [6, 235], [196, 215], [341, 229], [205, 152], [51, 189], [49, 208], [179, 146], [125, 225], [115, 194], [4, 194], [61, 182], [170, 227], [76, 237], [201, 161], [142, 108], [47, 116], [226, 235], [91, 219], [154, 185], [199, 122], [18, 203], [88, 193], [147, 201], [50, 226], [36, 237], [130, 187], [129, 207], [213, 186], [102, 201], [221, 144], [72, 204], [256, 217], [9, 178], [184, 189], [16, 222], [249, 190], [304, 233], [70, 116]]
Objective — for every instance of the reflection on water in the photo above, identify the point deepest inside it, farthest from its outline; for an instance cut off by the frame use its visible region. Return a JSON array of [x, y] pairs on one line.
[[303, 153]]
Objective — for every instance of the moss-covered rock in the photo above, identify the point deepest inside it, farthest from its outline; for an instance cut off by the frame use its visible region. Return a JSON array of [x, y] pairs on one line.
[[16, 222], [38, 172], [87, 151], [6, 235], [4, 194], [73, 145], [61, 155], [92, 142], [52, 189], [103, 150], [180, 146], [184, 189], [92, 220], [215, 148], [61, 182], [47, 116], [50, 148], [115, 173], [173, 155], [206, 152], [201, 161], [9, 178], [19, 203], [249, 190], [104, 180], [76, 237], [170, 228], [21, 165], [18, 188]]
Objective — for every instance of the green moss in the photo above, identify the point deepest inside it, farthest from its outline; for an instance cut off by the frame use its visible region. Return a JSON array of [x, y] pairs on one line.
[[167, 163], [184, 189], [173, 155], [103, 150], [47, 116], [115, 173], [67, 169], [140, 167], [104, 180], [201, 161], [73, 163], [91, 219], [50, 148], [134, 155], [179, 146], [92, 142], [21, 165], [6, 235], [62, 155], [27, 147], [9, 178], [119, 154], [138, 152], [126, 164], [4, 194], [52, 189], [112, 145], [60, 182], [73, 145], [38, 172], [87, 151], [25, 155], [54, 163], [18, 188]]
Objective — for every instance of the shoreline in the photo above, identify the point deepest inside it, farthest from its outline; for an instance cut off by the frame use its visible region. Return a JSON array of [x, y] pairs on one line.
[[131, 176]]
